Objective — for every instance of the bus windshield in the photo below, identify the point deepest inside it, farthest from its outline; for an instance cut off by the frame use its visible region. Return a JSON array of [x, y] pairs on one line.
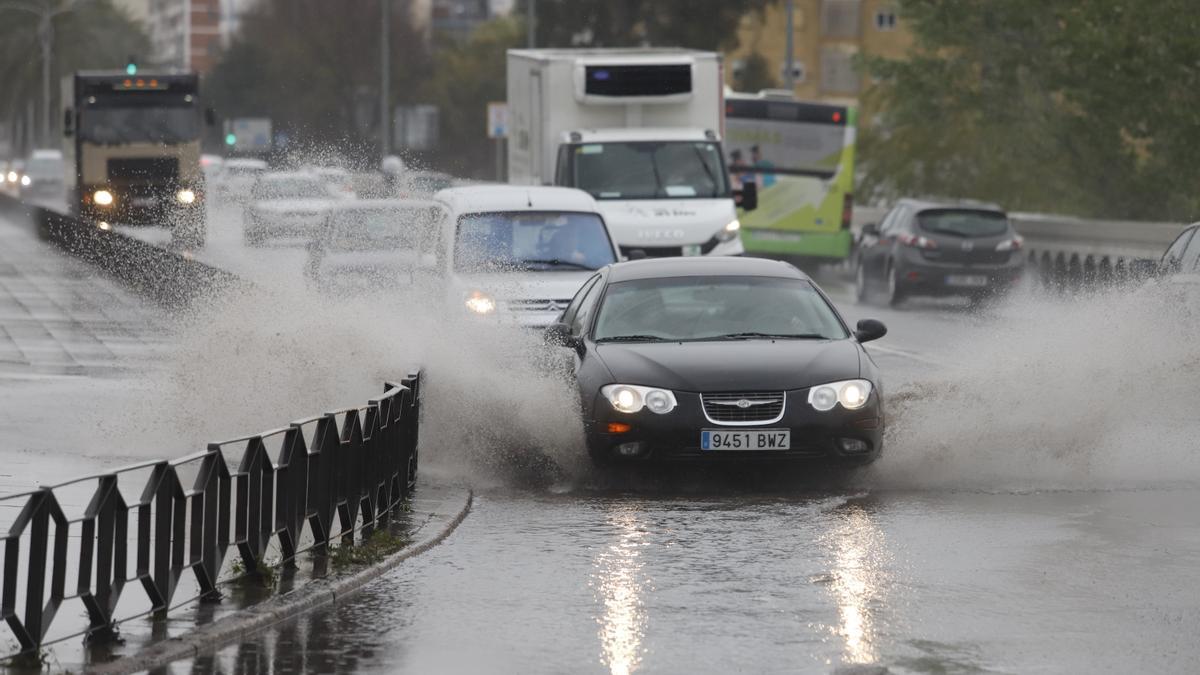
[[650, 170], [146, 124]]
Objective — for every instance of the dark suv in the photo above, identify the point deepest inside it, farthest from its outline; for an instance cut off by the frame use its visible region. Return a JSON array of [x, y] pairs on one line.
[[929, 248]]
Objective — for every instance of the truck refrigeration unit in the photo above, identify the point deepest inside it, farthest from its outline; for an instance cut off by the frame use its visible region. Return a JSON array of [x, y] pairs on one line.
[[132, 150], [639, 129]]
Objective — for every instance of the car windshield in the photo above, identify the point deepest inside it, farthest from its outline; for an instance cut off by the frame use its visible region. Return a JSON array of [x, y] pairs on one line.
[[650, 170], [380, 228], [532, 240], [963, 223], [715, 308], [111, 126], [290, 188]]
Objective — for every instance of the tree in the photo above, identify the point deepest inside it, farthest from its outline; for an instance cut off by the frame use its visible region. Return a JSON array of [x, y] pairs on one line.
[[92, 35], [1060, 105], [313, 67], [697, 24], [755, 74]]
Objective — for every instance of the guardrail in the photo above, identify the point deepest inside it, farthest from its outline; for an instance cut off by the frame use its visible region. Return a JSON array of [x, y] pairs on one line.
[[338, 472]]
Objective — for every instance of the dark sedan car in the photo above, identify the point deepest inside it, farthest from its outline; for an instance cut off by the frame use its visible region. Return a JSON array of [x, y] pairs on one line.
[[926, 248], [703, 358]]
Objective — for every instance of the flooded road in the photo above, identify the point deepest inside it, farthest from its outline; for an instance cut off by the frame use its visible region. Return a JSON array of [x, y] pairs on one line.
[[1065, 581]]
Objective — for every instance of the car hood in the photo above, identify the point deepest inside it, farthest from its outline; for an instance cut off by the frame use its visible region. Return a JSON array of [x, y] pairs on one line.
[[665, 222], [731, 365]]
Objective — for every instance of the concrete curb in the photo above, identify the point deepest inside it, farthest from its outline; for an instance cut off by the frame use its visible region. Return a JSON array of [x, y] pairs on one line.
[[307, 598]]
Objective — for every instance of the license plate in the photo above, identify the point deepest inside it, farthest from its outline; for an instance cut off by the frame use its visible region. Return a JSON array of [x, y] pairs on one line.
[[757, 439], [691, 250], [974, 280], [142, 201]]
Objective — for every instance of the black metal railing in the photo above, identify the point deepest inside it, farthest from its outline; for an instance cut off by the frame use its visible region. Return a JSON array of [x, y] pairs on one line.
[[337, 472]]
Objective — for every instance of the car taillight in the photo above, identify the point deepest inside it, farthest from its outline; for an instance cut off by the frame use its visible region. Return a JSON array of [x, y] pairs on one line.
[[917, 242], [847, 210], [1013, 244]]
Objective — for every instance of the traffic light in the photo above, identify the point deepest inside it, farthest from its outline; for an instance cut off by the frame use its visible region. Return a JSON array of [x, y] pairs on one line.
[[131, 66], [230, 139]]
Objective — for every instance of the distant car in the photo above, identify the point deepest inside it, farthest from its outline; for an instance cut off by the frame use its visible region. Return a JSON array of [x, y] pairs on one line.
[[720, 358], [928, 248], [373, 244], [517, 253], [338, 180], [428, 182], [43, 177], [237, 177], [285, 204], [1180, 263]]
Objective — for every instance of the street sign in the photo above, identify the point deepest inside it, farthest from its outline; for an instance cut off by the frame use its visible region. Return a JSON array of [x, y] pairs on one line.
[[497, 119]]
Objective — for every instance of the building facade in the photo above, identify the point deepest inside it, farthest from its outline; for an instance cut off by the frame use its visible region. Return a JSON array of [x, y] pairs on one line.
[[827, 36], [189, 34]]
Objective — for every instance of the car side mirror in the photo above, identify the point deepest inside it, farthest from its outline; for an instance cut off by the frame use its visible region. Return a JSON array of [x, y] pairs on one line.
[[210, 117], [871, 229], [747, 197], [559, 335], [870, 329], [68, 123]]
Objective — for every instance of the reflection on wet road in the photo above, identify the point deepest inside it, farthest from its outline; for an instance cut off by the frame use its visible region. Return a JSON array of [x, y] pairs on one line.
[[618, 583]]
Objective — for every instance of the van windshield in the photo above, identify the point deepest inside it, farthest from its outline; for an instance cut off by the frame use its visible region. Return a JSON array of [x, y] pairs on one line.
[[649, 170], [547, 240]]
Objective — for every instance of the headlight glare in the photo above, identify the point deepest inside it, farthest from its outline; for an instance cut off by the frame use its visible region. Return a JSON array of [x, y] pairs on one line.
[[629, 398], [480, 303], [730, 231], [185, 196], [852, 394], [26, 180], [103, 197]]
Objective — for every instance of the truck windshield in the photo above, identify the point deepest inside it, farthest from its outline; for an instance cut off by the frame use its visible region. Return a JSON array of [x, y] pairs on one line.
[[650, 170], [112, 126], [531, 241]]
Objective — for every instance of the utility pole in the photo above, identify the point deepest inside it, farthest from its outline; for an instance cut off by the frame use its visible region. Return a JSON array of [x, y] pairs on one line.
[[531, 24], [385, 64], [789, 68]]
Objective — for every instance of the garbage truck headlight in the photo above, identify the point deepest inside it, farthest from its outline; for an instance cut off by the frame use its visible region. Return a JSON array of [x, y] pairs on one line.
[[185, 196], [103, 197]]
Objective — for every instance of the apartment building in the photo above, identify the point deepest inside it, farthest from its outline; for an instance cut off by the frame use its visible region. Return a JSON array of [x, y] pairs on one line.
[[827, 35]]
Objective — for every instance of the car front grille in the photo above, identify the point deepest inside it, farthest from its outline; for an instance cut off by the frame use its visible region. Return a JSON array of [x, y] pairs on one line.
[[743, 408], [538, 305]]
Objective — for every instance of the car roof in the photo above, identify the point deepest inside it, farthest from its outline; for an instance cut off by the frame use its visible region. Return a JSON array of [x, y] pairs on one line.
[[289, 175], [496, 197], [376, 204], [636, 135], [697, 266], [244, 163], [966, 204]]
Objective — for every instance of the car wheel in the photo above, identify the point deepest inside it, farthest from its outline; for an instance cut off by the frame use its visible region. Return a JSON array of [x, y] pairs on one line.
[[860, 283], [895, 292]]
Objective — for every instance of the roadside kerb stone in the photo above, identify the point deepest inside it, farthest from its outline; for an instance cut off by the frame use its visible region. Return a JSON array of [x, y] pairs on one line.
[[307, 598]]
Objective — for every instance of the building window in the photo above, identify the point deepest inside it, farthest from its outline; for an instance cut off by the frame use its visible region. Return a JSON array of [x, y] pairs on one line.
[[838, 75], [839, 18], [885, 19]]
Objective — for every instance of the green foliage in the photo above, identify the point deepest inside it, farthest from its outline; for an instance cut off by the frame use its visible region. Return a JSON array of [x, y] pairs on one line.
[[755, 75], [696, 24], [93, 35], [373, 550], [313, 66], [1077, 106]]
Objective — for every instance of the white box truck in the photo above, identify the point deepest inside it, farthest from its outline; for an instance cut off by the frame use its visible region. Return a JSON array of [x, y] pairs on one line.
[[639, 129]]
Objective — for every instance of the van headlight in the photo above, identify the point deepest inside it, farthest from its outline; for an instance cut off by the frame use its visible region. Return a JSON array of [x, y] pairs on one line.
[[480, 302], [103, 197], [851, 394], [630, 398], [185, 196], [26, 181], [730, 231]]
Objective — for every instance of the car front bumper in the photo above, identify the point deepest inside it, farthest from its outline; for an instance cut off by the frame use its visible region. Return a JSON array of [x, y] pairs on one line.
[[675, 436]]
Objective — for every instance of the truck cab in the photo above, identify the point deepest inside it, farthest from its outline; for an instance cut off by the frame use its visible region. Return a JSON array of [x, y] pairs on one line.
[[639, 130]]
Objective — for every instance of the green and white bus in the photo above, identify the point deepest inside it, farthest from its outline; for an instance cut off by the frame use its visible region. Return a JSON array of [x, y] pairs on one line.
[[801, 155]]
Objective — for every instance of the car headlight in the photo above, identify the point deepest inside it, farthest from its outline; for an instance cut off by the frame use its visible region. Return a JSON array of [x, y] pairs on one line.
[[13, 177], [480, 303], [26, 181], [730, 231], [630, 398], [852, 394], [103, 197], [185, 196]]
